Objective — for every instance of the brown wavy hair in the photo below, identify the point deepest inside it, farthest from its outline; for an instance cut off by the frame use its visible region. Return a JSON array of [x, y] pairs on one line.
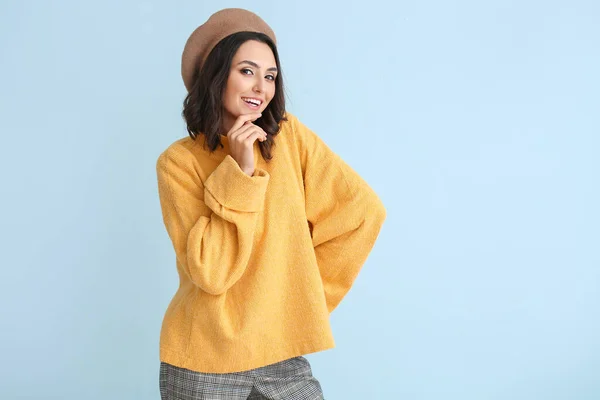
[[203, 105]]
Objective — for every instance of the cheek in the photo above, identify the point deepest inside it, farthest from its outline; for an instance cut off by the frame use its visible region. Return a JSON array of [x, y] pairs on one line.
[[233, 88], [232, 97], [228, 99], [272, 93]]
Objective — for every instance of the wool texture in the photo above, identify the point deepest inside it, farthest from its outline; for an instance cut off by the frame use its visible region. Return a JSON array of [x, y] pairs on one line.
[[262, 260]]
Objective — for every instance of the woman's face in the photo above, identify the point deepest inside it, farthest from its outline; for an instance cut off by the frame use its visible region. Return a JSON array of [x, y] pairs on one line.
[[251, 83]]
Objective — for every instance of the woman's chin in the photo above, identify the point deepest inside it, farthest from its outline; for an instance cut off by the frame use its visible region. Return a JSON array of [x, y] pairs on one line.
[[248, 112]]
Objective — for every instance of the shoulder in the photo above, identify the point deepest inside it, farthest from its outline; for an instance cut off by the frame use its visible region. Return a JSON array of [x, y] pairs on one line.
[[287, 124], [305, 138], [296, 129], [179, 154]]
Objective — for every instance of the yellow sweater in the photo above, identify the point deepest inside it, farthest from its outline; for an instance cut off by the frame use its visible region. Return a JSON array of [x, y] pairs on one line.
[[264, 259]]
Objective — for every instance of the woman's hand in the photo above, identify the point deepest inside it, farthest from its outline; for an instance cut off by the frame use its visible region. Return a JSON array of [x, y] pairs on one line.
[[241, 137]]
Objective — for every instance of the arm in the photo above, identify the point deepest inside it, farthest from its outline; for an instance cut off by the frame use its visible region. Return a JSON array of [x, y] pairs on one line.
[[211, 225], [346, 215]]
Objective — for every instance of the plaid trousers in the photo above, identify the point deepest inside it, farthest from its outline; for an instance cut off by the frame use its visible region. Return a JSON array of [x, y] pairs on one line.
[[290, 379]]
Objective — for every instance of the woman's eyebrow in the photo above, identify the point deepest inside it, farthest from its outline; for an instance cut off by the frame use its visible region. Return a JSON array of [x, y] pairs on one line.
[[255, 65]]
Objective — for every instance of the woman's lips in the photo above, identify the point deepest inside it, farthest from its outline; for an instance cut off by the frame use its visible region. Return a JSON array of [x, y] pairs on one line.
[[252, 106]]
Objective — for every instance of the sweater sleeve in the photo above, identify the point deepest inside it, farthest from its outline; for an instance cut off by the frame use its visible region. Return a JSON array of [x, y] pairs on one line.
[[211, 224], [344, 212]]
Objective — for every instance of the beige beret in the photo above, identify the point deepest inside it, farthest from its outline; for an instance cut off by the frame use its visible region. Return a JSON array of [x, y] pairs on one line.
[[220, 25]]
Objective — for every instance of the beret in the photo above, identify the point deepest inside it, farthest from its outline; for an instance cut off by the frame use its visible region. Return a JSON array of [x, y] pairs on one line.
[[218, 26]]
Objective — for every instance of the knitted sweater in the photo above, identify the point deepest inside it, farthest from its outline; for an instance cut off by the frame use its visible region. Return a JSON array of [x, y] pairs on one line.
[[262, 260]]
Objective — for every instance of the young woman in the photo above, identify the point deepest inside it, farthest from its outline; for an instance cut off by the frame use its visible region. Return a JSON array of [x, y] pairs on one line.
[[270, 227]]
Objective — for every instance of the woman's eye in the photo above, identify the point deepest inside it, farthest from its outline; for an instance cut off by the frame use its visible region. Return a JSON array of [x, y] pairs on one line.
[[247, 71]]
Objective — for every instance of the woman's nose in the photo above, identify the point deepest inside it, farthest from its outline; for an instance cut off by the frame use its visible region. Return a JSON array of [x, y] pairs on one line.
[[259, 87]]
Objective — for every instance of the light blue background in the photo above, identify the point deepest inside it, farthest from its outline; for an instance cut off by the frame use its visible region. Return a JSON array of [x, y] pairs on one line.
[[477, 123]]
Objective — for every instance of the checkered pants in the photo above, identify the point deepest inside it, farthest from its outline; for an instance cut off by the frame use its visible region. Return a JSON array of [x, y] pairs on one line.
[[290, 379]]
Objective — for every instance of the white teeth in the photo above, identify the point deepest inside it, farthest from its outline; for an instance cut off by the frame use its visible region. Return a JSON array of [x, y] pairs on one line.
[[253, 101]]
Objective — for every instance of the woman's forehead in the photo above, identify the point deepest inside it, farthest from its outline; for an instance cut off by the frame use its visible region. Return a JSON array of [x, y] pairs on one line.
[[257, 52]]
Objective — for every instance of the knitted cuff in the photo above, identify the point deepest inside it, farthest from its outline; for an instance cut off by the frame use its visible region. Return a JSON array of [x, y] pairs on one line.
[[234, 189]]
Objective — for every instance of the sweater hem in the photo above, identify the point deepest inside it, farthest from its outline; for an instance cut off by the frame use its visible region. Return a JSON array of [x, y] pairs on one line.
[[198, 365]]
